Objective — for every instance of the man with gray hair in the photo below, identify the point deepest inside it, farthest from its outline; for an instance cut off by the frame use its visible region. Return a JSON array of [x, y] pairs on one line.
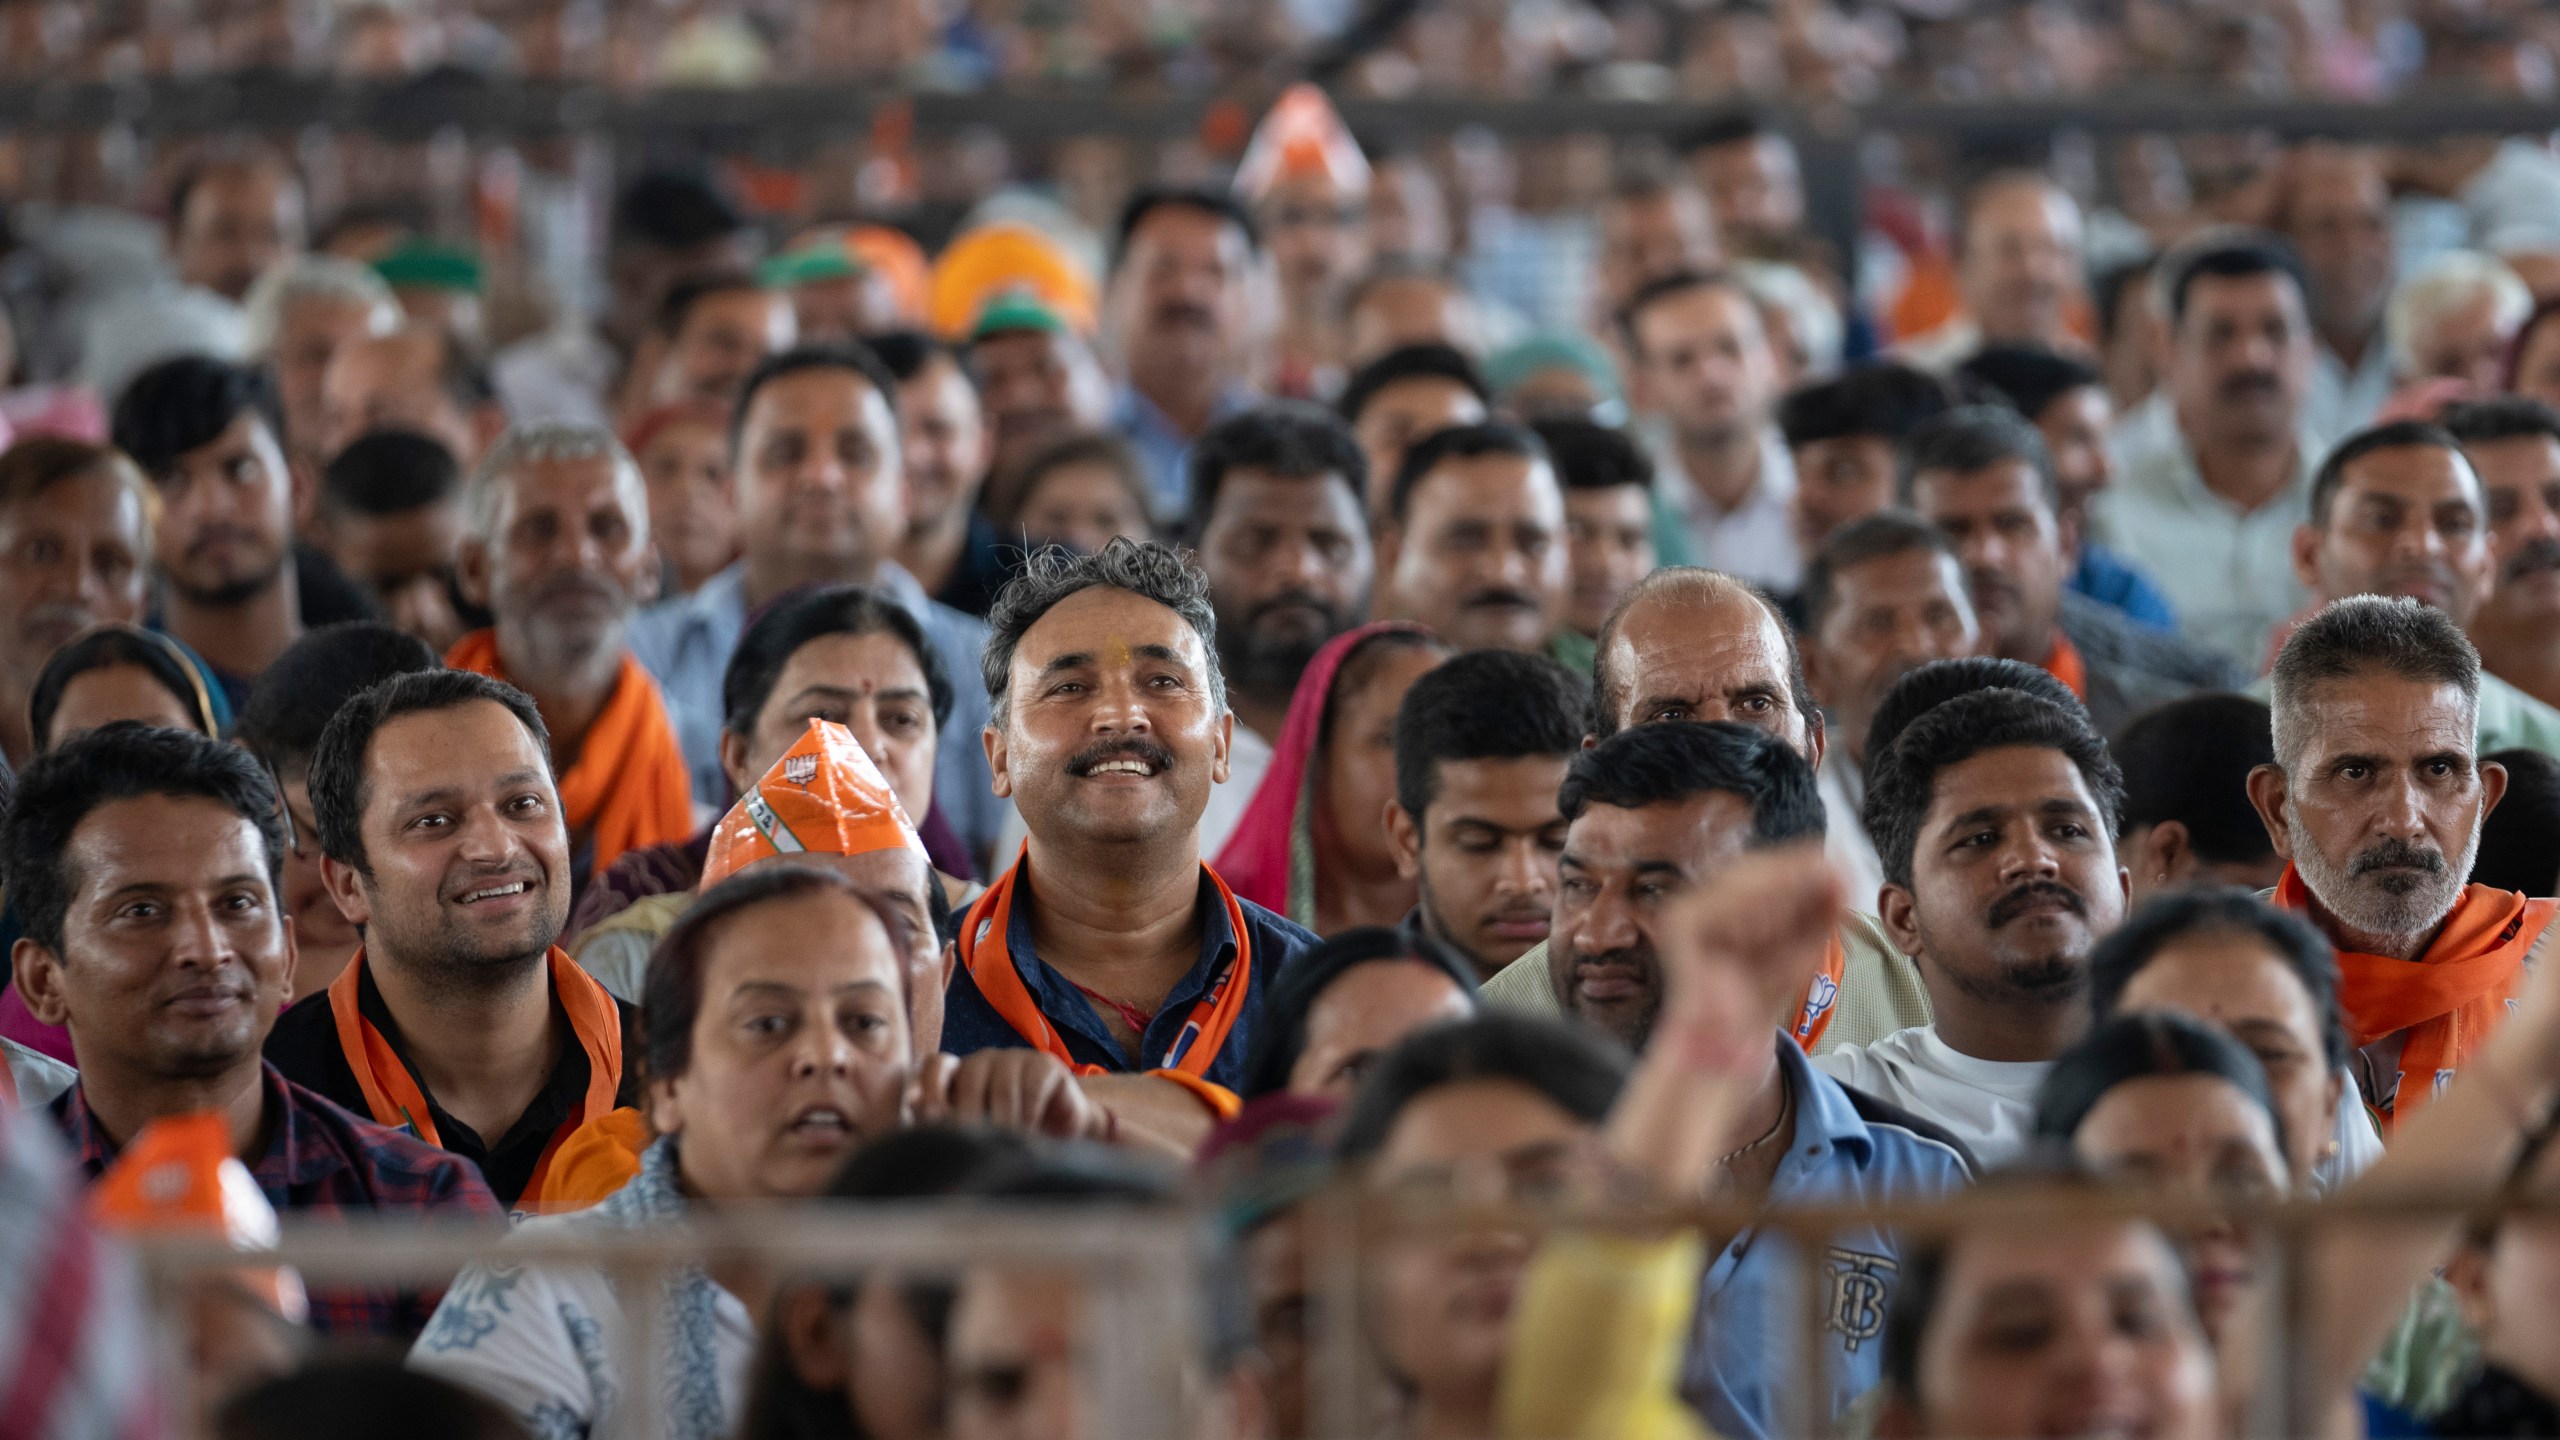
[[1109, 943], [299, 314], [558, 552], [2375, 801], [2454, 318]]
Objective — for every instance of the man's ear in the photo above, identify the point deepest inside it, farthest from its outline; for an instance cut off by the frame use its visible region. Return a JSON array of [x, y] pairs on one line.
[[810, 1328], [2306, 558], [471, 570], [664, 1116], [2267, 797], [1817, 737], [346, 887], [1404, 838], [1901, 919], [2493, 786], [37, 973], [1224, 748], [993, 738], [2166, 852]]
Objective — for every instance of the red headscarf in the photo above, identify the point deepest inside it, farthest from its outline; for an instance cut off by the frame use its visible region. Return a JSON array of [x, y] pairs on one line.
[[1255, 863]]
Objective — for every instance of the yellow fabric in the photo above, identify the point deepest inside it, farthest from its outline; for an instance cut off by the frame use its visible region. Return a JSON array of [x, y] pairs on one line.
[[1597, 1337]]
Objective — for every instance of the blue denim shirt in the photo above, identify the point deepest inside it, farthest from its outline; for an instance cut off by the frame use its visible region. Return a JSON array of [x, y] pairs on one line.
[[1738, 1373], [686, 642], [970, 1023]]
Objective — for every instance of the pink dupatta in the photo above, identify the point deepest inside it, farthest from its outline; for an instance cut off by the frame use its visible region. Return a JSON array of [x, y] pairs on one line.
[[1255, 863]]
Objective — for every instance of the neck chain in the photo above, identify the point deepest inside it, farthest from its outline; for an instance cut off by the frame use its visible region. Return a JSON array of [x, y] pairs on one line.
[[1786, 1107]]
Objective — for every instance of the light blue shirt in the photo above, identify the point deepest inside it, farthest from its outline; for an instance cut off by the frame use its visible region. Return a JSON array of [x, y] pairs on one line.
[[686, 642], [1164, 448], [1738, 1373]]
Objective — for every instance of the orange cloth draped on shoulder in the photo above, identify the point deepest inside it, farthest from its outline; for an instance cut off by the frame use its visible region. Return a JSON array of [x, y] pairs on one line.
[[2066, 665], [597, 1159], [629, 788], [2447, 1000]]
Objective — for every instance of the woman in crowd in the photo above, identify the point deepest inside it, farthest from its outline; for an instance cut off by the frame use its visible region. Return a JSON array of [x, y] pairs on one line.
[[1312, 844], [1078, 491], [2533, 357], [778, 1041], [1345, 1003]]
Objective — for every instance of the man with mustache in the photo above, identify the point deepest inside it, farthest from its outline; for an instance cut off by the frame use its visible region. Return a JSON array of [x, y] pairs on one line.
[[1474, 542], [2334, 204], [1181, 308], [2218, 462], [143, 865], [2018, 271], [1996, 817], [2375, 801], [2513, 444], [1481, 746], [559, 553], [1704, 372], [1882, 597], [75, 541], [460, 1020], [1109, 943], [1279, 512], [2397, 510], [1982, 474]]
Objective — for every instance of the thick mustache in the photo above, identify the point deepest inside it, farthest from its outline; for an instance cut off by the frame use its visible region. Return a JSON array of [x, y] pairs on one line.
[[2537, 555], [1153, 754], [1640, 959], [2252, 380], [2014, 904], [217, 534], [2395, 855], [1183, 312], [1290, 600], [1502, 595]]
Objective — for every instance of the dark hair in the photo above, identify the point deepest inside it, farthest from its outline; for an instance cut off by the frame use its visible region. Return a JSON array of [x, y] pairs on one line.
[[2113, 284], [1577, 1069], [2520, 840], [1695, 581], [2392, 435], [1459, 442], [390, 472], [2189, 760], [677, 305], [1869, 537], [1149, 571], [291, 703], [2501, 417], [756, 666], [105, 647], [185, 404], [1148, 199], [339, 788], [851, 356], [1280, 1035], [228, 159], [2221, 910], [1729, 127], [671, 993], [1485, 705], [1663, 287], [2145, 1045], [2254, 252], [2030, 377], [1409, 362], [1939, 681], [1009, 492], [674, 210], [1883, 400], [1588, 455], [122, 761], [1902, 782], [1286, 438], [1970, 438], [1665, 763], [906, 353], [375, 1396]]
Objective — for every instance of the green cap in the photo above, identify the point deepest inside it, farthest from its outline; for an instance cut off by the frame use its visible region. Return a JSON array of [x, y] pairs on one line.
[[425, 265], [810, 266], [1016, 310], [1553, 350]]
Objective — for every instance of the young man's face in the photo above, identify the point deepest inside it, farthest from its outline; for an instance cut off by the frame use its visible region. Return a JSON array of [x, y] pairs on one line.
[[1483, 855], [226, 515], [1609, 547]]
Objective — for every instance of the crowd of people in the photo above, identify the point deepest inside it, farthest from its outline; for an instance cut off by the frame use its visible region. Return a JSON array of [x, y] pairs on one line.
[[1270, 717]]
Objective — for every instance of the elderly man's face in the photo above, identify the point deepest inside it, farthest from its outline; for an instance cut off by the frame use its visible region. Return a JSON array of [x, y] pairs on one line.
[[566, 561], [2380, 806], [2463, 341], [1705, 655]]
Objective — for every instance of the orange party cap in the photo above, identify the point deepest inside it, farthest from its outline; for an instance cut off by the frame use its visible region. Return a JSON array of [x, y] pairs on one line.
[[1302, 136], [824, 796], [179, 1175]]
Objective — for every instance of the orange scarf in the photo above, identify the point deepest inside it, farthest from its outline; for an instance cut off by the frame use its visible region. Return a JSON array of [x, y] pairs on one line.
[[1822, 997], [2447, 1000], [629, 788], [391, 1093], [2066, 665], [983, 951]]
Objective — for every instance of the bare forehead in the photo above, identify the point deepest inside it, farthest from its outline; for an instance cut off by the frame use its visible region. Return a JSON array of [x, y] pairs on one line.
[[1696, 628], [821, 395], [1103, 621], [146, 839], [2010, 777], [2380, 714], [475, 741], [2423, 474]]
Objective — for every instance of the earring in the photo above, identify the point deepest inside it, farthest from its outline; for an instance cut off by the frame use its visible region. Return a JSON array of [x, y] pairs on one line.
[[2330, 1150]]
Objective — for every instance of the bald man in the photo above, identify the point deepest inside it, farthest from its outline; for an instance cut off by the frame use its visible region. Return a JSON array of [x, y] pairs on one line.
[[2018, 271]]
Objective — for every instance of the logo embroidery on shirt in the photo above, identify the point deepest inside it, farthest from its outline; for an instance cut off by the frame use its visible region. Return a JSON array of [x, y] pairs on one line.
[[1817, 1003], [1861, 1291]]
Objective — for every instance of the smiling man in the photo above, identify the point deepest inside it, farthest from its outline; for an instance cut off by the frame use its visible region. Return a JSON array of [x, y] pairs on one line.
[[2513, 442], [460, 1019], [1995, 815], [1109, 943], [143, 863], [2375, 802]]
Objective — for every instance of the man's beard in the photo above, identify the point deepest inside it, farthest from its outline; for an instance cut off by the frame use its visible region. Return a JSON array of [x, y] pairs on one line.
[[559, 642], [447, 960], [235, 591], [1262, 660], [2050, 979], [2393, 904]]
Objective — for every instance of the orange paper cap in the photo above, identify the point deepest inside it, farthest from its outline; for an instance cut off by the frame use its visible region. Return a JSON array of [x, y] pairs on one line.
[[1303, 135], [179, 1175], [824, 796]]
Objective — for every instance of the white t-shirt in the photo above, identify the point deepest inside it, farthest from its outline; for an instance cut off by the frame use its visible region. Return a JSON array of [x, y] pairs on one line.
[[1987, 1104]]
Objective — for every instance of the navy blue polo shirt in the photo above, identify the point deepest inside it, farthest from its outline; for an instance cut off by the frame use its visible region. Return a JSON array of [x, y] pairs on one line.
[[971, 1024]]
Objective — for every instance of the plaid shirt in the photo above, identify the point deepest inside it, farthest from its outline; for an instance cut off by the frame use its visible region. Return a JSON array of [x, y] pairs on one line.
[[321, 1160]]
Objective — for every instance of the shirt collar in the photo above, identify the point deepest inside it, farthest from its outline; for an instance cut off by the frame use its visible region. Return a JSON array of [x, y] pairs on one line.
[[2186, 478], [1826, 1121], [1065, 1006], [291, 1157]]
